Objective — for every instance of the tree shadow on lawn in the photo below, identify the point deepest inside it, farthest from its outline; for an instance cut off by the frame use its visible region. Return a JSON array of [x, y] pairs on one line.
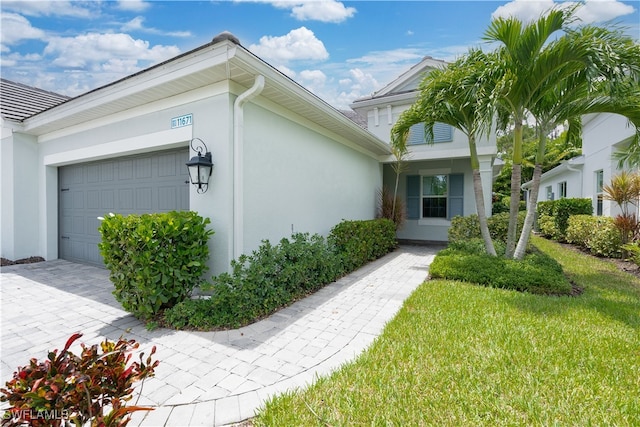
[[614, 294]]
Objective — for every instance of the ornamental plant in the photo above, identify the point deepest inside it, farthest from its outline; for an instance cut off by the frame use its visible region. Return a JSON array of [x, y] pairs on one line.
[[66, 388], [155, 260]]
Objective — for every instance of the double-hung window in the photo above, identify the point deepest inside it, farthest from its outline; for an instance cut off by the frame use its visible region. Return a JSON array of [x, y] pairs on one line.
[[435, 196]]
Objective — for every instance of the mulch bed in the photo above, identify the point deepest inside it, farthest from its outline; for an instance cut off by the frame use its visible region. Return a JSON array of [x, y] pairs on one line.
[[5, 262]]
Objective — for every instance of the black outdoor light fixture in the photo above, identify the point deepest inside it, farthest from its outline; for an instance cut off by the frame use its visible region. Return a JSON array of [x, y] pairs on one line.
[[200, 166]]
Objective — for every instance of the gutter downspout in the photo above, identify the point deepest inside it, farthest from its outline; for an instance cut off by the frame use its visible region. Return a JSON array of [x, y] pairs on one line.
[[238, 184]]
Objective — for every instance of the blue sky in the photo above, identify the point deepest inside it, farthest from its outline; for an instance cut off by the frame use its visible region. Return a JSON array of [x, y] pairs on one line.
[[339, 50]]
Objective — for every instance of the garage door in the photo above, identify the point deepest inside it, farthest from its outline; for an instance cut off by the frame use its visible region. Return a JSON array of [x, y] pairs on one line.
[[125, 185]]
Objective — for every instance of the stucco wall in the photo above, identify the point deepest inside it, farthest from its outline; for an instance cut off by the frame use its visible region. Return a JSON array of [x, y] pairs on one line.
[[20, 207], [298, 178]]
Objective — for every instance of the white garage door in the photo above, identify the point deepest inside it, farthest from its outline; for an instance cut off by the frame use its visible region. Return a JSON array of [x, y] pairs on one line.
[[146, 183]]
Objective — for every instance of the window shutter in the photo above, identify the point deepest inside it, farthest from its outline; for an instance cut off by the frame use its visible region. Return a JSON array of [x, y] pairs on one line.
[[442, 133], [413, 197], [416, 134], [456, 195]]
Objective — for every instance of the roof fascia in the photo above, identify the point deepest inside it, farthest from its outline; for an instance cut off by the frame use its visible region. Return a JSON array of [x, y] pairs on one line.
[[194, 61], [420, 68], [252, 63]]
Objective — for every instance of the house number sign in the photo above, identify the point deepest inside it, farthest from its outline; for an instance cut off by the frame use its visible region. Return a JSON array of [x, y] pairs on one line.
[[178, 122]]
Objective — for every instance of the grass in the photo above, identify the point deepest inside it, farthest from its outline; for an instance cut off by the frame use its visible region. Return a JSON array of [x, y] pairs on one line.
[[461, 354]]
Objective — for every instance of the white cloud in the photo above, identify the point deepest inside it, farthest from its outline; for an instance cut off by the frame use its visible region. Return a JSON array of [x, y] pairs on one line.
[[603, 10], [53, 8], [591, 11], [16, 27], [133, 5], [134, 24], [137, 24], [312, 10], [298, 44], [324, 11], [97, 52], [313, 80]]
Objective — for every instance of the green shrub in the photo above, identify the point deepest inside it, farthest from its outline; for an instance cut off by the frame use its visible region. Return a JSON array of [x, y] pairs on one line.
[[553, 215], [537, 273], [476, 245], [606, 239], [579, 229], [359, 242], [155, 260], [260, 283], [547, 227], [633, 252], [464, 228], [499, 224], [598, 234], [468, 227]]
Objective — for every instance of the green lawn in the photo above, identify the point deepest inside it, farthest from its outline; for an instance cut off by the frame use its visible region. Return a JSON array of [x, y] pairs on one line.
[[460, 354]]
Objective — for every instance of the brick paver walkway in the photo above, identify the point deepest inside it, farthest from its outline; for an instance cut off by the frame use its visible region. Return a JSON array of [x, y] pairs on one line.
[[207, 378]]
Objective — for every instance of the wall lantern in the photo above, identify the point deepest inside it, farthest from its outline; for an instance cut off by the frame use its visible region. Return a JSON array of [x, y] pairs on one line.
[[200, 166]]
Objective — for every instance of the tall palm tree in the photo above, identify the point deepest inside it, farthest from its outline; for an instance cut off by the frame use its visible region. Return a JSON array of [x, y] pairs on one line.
[[458, 96], [600, 82], [521, 74]]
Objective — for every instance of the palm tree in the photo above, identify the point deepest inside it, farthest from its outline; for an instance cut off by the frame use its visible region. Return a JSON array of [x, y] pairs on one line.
[[457, 96], [586, 70], [522, 73], [602, 82]]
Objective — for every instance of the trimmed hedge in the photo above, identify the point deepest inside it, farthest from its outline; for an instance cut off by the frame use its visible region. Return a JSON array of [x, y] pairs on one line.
[[274, 276], [553, 215], [598, 234], [537, 273], [359, 242], [154, 260], [468, 227]]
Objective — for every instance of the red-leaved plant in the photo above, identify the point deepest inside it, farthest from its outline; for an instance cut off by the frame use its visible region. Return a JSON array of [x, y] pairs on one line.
[[67, 389]]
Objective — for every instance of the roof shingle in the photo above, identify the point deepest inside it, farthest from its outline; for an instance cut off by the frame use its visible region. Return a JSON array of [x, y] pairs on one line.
[[19, 101]]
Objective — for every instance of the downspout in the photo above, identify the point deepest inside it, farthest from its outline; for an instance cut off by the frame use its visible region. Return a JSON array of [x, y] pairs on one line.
[[238, 185]]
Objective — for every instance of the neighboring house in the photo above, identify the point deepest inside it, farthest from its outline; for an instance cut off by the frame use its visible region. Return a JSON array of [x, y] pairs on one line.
[[584, 176], [437, 183], [284, 160]]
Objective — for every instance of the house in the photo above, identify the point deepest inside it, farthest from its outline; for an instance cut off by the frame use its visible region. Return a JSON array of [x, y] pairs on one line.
[[284, 160], [584, 176], [437, 182]]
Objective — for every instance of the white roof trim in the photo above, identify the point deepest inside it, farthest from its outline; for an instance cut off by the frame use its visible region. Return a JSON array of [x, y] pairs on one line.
[[566, 165]]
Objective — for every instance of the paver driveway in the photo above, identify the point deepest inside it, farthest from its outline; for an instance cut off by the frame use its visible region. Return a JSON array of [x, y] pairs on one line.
[[208, 378]]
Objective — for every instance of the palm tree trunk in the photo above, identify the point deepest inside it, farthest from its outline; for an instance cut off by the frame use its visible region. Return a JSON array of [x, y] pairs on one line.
[[516, 178], [531, 212], [479, 195], [533, 197]]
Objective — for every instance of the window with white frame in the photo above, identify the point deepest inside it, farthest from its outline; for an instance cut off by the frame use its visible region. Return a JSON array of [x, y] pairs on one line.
[[562, 189], [441, 133], [599, 193], [549, 191], [435, 196]]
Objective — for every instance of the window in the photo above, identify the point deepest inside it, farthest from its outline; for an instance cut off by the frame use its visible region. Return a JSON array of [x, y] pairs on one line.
[[562, 189], [441, 133], [435, 196], [549, 191], [599, 195]]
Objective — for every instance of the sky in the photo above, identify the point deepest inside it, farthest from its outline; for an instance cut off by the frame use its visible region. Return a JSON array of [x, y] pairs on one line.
[[340, 51]]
